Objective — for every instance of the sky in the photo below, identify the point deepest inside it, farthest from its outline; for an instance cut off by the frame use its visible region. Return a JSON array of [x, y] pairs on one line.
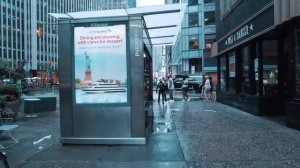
[[140, 3]]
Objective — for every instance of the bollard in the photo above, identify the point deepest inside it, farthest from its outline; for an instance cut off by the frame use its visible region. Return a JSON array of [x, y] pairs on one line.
[[3, 158]]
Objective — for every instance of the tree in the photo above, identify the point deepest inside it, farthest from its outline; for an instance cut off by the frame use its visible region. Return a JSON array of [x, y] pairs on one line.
[[4, 68], [7, 72]]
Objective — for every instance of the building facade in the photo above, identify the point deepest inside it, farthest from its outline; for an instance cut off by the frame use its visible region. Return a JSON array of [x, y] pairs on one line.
[[192, 52], [158, 60], [131, 3], [29, 34], [258, 57]]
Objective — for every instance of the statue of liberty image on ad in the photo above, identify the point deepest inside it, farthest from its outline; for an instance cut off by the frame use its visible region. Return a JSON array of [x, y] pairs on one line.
[[88, 73], [87, 62]]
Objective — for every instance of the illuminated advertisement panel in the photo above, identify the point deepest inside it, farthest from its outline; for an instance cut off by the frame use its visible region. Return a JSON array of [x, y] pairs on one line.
[[100, 64], [232, 66]]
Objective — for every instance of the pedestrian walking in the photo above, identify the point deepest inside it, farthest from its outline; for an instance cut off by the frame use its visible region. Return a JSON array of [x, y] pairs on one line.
[[211, 87], [207, 88], [160, 87], [171, 88], [165, 90], [185, 89]]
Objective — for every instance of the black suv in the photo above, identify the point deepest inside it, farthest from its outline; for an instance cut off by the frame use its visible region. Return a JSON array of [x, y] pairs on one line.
[[195, 82], [178, 81]]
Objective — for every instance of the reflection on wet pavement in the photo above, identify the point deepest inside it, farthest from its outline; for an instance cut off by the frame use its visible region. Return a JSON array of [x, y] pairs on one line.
[[163, 122]]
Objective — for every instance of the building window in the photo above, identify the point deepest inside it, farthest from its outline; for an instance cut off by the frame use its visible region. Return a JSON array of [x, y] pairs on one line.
[[231, 68], [193, 2], [270, 67], [246, 73], [208, 45], [209, 1], [223, 74], [209, 18], [193, 20], [226, 5], [193, 42]]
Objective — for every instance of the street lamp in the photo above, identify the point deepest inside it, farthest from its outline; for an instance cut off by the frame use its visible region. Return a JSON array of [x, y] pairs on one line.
[[49, 65]]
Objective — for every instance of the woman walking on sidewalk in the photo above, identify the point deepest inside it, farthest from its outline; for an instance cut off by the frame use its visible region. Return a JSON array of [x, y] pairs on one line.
[[207, 88]]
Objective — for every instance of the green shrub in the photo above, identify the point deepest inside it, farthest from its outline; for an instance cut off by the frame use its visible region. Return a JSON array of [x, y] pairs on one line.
[[10, 90]]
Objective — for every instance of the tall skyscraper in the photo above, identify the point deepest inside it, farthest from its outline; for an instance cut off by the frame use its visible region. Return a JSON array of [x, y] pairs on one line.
[[192, 52], [29, 34]]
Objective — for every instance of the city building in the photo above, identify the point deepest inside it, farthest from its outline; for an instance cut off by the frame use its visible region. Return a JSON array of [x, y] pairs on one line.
[[29, 34], [131, 3], [192, 52], [258, 44], [159, 61]]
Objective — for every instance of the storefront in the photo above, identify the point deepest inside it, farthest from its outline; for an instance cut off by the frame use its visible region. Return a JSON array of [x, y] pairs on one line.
[[105, 66], [292, 74], [257, 61]]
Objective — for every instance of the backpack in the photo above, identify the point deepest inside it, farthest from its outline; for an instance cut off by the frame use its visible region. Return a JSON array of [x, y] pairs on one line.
[[160, 86]]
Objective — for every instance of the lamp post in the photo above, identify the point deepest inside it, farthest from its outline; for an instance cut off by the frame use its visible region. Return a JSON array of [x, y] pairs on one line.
[[49, 65]]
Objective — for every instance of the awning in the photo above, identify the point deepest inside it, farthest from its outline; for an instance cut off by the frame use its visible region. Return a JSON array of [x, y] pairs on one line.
[[163, 22]]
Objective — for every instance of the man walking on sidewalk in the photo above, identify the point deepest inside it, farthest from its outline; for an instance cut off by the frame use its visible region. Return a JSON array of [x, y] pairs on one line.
[[161, 90], [171, 88]]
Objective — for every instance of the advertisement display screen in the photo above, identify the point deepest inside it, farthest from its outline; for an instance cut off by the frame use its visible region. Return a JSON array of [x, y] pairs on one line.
[[100, 64]]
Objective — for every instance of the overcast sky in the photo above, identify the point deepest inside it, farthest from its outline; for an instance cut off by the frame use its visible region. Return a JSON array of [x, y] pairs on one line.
[[140, 3]]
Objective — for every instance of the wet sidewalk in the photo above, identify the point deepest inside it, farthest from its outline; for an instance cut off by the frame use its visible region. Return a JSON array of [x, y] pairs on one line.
[[185, 134]]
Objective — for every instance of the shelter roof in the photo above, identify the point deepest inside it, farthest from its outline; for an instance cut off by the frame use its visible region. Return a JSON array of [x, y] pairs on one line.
[[163, 22]]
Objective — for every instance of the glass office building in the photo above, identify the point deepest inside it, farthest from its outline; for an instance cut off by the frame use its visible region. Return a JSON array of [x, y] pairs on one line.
[[29, 35]]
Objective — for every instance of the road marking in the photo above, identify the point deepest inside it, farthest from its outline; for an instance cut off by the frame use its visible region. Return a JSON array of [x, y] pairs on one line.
[[174, 109], [210, 111], [39, 141]]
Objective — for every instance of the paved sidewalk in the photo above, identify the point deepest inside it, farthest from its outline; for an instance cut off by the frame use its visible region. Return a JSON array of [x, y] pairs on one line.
[[186, 135]]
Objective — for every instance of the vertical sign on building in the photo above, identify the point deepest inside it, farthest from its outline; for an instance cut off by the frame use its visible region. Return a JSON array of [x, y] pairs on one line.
[[232, 66]]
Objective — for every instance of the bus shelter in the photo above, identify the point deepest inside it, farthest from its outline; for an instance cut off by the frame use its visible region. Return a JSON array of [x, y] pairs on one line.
[[105, 68]]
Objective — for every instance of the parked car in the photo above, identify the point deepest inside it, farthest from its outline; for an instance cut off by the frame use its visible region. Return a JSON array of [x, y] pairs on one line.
[[195, 82]]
